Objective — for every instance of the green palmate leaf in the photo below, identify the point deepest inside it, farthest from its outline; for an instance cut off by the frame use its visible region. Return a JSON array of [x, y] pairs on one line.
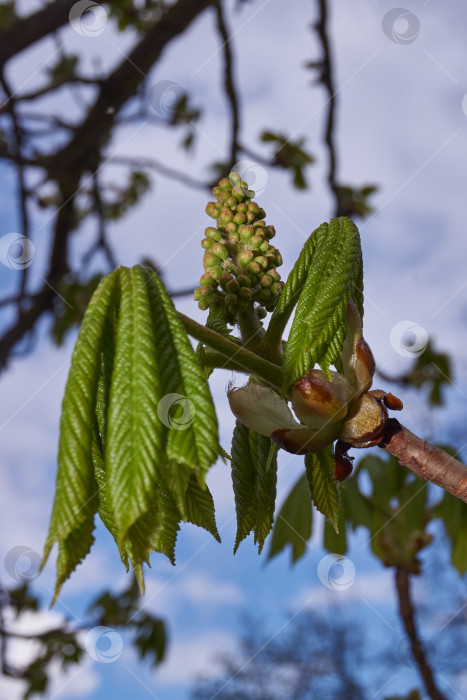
[[254, 476], [187, 406], [327, 274], [294, 522], [76, 493], [200, 507], [134, 449], [323, 486]]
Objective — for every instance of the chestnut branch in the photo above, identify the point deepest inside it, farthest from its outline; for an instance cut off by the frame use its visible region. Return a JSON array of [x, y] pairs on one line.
[[428, 462]]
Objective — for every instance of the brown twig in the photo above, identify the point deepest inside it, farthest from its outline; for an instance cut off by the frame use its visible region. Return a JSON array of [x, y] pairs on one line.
[[428, 462], [407, 613], [326, 78], [229, 83]]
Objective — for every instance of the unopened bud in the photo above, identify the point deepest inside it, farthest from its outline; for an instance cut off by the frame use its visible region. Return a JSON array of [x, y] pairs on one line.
[[316, 400], [220, 250], [213, 209], [245, 257]]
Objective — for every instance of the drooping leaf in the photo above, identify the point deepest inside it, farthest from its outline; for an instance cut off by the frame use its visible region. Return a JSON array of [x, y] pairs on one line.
[[200, 507], [323, 486], [193, 438], [454, 515], [326, 275], [293, 522], [76, 492], [254, 483], [135, 444]]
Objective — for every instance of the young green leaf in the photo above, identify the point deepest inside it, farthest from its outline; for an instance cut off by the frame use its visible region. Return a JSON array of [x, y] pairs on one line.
[[332, 263], [193, 438], [323, 486], [293, 522], [254, 483], [76, 493], [200, 507]]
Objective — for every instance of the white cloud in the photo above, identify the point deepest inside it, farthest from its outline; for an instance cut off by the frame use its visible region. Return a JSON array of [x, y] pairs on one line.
[[374, 588]]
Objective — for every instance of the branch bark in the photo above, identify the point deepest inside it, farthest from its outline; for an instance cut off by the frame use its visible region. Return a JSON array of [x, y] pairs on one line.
[[428, 462], [407, 613]]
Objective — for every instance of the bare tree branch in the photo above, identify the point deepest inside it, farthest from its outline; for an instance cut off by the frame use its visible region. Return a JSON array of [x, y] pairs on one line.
[[407, 613], [229, 83], [28, 30], [428, 462]]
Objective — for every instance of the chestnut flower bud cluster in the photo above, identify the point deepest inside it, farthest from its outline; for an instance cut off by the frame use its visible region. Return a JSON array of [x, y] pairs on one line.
[[240, 262], [342, 408]]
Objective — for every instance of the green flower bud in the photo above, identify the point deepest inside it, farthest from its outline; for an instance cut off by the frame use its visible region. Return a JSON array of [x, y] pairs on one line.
[[231, 228], [255, 241], [245, 293], [245, 257], [275, 275], [220, 250], [265, 281], [232, 286], [213, 234], [263, 295], [206, 291], [278, 259], [215, 301], [259, 224], [209, 261], [207, 278], [276, 288], [270, 232], [244, 281], [242, 208], [223, 197], [237, 192], [231, 299], [254, 268], [216, 271], [250, 217], [225, 278], [213, 209], [206, 243], [261, 261], [224, 184], [245, 232], [239, 218], [235, 178], [261, 312], [203, 304], [264, 247], [253, 207], [261, 214], [234, 237], [197, 294], [225, 216], [232, 203]]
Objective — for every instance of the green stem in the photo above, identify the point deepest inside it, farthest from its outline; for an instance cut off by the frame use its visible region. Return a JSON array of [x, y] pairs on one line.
[[229, 355]]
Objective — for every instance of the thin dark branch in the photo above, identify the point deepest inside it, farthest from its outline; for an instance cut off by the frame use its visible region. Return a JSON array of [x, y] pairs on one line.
[[22, 190], [326, 79], [407, 613], [51, 87], [229, 83], [82, 153], [26, 31], [153, 164], [102, 242]]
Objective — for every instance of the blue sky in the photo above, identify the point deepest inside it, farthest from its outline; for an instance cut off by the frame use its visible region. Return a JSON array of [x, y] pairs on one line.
[[401, 124]]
